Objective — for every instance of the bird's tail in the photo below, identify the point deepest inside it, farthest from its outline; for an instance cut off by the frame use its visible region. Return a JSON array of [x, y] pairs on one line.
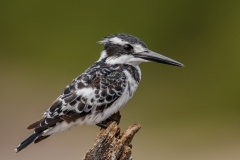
[[28, 141]]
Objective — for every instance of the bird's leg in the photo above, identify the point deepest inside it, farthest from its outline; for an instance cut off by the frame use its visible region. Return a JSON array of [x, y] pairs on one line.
[[105, 123], [110, 119], [114, 118], [102, 125]]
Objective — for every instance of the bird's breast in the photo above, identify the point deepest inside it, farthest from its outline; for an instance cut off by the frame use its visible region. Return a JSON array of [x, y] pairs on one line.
[[131, 87]]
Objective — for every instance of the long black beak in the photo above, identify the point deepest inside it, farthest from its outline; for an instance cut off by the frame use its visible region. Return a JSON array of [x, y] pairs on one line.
[[155, 57]]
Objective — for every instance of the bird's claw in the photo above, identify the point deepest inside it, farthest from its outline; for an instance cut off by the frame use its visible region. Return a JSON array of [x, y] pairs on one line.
[[102, 125]]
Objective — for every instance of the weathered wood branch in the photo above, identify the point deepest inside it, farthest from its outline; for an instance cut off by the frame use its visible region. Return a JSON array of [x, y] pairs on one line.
[[110, 144]]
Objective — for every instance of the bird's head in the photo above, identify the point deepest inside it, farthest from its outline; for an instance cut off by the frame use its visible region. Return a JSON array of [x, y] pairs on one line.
[[127, 49]]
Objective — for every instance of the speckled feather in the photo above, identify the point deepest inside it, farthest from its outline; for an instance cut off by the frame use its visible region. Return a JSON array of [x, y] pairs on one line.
[[87, 97]]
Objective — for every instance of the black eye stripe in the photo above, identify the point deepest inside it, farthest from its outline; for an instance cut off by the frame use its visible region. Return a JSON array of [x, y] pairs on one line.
[[127, 47]]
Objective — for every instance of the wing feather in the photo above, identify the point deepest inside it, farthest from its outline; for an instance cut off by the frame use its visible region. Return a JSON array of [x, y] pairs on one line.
[[97, 88]]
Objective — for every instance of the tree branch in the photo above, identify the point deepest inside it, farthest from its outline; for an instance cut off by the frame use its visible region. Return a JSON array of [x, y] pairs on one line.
[[110, 145]]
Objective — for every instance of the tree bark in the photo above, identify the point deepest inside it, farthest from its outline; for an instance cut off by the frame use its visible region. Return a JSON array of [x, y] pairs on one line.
[[110, 144]]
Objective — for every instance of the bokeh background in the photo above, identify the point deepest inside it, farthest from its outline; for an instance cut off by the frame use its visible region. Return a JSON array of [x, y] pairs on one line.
[[189, 113]]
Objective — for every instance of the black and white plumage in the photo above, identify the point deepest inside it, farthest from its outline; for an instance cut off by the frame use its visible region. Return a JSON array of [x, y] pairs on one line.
[[102, 90]]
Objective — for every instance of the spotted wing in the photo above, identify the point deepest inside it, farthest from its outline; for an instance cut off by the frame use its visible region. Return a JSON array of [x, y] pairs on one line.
[[85, 93], [97, 96]]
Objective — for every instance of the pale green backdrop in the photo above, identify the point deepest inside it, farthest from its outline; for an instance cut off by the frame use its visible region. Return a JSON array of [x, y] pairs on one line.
[[189, 113]]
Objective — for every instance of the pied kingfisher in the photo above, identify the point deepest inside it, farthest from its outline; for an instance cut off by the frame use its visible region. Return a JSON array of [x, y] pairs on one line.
[[102, 90]]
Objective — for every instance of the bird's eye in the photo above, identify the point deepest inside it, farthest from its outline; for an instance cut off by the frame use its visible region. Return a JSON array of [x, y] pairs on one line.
[[127, 47]]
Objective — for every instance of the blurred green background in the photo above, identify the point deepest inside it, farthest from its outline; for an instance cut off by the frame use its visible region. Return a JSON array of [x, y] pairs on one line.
[[189, 113]]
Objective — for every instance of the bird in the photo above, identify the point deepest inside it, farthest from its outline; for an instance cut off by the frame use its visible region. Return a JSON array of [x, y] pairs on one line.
[[100, 91]]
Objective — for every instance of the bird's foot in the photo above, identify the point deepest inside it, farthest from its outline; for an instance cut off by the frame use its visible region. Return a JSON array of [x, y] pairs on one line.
[[110, 119], [114, 118], [105, 123], [102, 125]]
